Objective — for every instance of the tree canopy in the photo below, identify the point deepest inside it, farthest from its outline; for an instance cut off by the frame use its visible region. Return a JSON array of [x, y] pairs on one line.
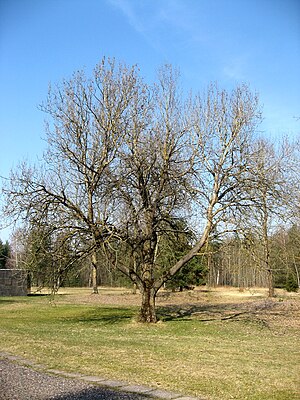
[[127, 161]]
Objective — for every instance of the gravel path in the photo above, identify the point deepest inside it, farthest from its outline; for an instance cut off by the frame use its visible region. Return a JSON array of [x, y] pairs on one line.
[[18, 382]]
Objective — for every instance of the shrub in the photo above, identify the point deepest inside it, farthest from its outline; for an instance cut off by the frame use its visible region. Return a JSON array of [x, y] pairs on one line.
[[291, 284]]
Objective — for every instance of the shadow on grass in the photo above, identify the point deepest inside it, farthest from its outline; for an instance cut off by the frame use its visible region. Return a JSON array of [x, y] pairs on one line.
[[104, 315], [255, 312], [23, 299], [6, 300], [178, 312], [206, 312]]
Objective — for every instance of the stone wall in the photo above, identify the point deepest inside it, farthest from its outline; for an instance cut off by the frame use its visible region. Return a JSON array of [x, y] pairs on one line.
[[13, 282]]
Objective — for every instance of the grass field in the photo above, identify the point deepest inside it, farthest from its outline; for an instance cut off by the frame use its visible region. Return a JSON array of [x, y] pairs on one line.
[[219, 343]]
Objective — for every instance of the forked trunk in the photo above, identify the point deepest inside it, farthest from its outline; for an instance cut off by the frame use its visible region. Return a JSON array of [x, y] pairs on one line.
[[147, 312]]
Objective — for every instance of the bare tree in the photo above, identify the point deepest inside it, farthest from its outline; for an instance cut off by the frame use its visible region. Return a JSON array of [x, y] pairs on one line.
[[153, 182], [270, 200], [195, 159], [127, 159]]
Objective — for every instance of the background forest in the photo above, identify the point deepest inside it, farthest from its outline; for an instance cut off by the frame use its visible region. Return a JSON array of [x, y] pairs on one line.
[[234, 261]]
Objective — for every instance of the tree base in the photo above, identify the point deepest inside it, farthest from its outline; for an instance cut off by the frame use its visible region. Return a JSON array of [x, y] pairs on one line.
[[147, 312]]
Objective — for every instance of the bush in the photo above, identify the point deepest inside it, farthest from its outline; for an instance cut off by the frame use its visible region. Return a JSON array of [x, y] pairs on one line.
[[191, 275], [291, 284]]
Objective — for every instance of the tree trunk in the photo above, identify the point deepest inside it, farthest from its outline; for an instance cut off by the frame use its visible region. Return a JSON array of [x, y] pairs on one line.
[[297, 272], [94, 273], [271, 292], [147, 310], [134, 288], [266, 243]]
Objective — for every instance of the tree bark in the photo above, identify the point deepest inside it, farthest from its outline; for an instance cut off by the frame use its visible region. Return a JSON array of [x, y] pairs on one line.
[[94, 273], [271, 291], [147, 311]]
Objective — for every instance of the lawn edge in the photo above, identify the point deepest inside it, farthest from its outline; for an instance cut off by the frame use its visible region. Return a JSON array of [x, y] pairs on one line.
[[152, 393]]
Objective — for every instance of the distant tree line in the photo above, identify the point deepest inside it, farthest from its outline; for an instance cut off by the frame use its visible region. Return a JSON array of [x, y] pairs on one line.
[[239, 261], [233, 261], [167, 188]]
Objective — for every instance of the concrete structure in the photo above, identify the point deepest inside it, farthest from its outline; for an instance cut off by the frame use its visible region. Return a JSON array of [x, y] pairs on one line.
[[14, 282]]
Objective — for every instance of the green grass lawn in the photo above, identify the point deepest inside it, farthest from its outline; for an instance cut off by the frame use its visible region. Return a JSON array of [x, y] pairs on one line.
[[253, 356]]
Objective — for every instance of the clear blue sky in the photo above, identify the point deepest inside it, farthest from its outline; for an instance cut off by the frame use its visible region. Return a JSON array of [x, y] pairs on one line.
[[229, 41]]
